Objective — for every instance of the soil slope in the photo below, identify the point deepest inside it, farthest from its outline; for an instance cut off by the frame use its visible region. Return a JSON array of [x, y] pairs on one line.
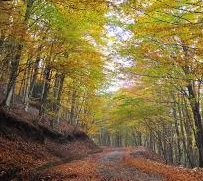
[[26, 149]]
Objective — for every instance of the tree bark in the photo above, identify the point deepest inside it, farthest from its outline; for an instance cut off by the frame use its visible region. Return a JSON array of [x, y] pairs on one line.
[[198, 122], [13, 75], [45, 90]]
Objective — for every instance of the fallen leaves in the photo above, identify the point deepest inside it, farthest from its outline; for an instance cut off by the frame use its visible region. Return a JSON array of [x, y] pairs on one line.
[[85, 170], [170, 173], [143, 152]]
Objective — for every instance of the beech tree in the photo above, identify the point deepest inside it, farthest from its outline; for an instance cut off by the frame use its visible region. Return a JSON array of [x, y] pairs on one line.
[[49, 52]]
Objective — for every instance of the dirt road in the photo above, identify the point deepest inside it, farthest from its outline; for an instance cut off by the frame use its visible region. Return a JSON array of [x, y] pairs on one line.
[[112, 166], [109, 165]]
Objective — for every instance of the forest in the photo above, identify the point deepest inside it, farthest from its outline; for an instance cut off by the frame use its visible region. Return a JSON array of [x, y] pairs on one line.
[[125, 72]]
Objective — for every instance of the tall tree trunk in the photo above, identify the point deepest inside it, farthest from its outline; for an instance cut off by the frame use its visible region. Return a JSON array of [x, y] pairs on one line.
[[45, 90], [27, 84], [188, 131], [34, 77], [179, 154], [198, 121], [195, 105], [12, 78], [57, 107], [73, 102]]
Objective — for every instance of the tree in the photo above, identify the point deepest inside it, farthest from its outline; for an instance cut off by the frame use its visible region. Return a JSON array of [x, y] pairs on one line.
[[166, 45], [55, 46]]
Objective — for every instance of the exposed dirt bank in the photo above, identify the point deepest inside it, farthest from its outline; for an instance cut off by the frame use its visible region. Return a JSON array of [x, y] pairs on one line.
[[24, 147]]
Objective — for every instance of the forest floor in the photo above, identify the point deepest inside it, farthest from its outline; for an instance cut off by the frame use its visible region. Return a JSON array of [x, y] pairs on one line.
[[30, 152], [126, 164]]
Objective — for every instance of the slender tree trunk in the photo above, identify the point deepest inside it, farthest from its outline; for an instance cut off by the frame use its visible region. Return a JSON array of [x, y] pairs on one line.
[[45, 90], [179, 153], [198, 122], [12, 78], [58, 98], [34, 77], [195, 105], [73, 102], [27, 85]]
